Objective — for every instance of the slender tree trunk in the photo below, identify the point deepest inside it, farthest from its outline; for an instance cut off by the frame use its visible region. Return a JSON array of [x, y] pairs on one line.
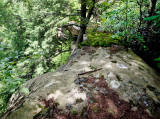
[[153, 6], [151, 12], [126, 13], [140, 13], [90, 13], [82, 24], [84, 19]]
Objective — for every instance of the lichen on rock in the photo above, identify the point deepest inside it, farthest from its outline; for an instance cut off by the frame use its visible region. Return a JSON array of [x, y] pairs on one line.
[[94, 82]]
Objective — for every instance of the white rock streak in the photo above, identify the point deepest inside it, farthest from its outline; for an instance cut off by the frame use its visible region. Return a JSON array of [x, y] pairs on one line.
[[121, 66], [115, 84]]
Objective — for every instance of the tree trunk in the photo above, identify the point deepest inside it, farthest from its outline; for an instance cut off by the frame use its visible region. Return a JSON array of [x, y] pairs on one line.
[[90, 12], [151, 12], [153, 6], [84, 19], [82, 24], [140, 3]]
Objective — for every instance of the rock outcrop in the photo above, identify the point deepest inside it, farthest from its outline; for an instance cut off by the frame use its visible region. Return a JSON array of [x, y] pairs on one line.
[[96, 82]]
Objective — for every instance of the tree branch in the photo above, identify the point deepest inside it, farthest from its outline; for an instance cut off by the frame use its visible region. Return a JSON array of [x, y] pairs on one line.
[[84, 19], [60, 14], [70, 25]]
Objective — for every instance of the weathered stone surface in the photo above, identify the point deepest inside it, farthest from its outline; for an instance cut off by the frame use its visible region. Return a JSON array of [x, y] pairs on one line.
[[124, 72], [74, 30]]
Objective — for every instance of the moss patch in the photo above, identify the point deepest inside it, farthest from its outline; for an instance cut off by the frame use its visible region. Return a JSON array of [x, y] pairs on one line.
[[95, 108], [101, 39], [74, 112]]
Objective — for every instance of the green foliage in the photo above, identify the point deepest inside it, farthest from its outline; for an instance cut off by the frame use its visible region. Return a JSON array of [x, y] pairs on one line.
[[122, 20], [95, 109], [25, 90], [158, 64], [10, 76], [29, 45], [157, 59], [101, 39], [74, 112], [155, 19], [3, 98]]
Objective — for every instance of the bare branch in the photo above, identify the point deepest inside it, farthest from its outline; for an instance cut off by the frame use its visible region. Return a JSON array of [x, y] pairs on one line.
[[70, 25], [60, 14]]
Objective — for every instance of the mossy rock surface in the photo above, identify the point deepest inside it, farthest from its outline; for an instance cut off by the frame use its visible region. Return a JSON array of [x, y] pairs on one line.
[[101, 39]]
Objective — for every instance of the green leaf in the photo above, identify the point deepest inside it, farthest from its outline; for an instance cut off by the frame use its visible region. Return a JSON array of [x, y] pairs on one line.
[[158, 24], [158, 65], [157, 59], [158, 12], [74, 112], [156, 17], [25, 90], [12, 90], [1, 49], [23, 74], [144, 46], [19, 79]]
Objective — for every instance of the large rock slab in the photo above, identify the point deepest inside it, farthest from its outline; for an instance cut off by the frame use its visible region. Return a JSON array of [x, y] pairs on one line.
[[125, 83]]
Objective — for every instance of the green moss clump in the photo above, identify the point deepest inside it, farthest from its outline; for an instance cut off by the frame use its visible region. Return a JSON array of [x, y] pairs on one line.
[[74, 112], [95, 108], [101, 39]]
